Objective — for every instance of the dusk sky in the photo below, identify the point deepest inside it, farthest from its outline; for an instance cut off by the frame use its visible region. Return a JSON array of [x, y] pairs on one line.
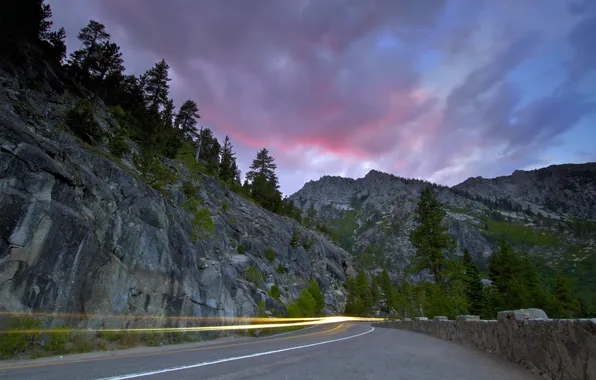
[[431, 89]]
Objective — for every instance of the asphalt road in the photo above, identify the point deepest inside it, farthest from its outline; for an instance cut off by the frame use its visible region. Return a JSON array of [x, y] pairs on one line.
[[345, 352]]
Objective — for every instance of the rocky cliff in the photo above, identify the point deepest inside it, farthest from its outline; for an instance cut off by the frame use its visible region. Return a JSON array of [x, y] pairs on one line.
[[548, 213], [80, 232]]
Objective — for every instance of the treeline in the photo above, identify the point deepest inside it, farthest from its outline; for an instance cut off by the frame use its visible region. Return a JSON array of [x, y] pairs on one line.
[[451, 285]]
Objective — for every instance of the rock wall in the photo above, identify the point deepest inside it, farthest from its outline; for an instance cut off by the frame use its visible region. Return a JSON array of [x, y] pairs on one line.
[[557, 349], [80, 233]]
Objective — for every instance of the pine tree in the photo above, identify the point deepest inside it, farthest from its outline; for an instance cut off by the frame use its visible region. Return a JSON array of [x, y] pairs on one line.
[[363, 292], [387, 296], [227, 166], [474, 289], [92, 36], [29, 22], [566, 303], [107, 62], [157, 87], [311, 213], [54, 44], [186, 119], [431, 238], [263, 182], [506, 272], [315, 291]]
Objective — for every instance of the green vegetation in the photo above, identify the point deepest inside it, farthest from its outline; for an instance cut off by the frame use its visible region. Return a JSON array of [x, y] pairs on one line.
[[241, 250], [253, 275], [275, 292], [81, 121], [517, 234], [202, 224], [281, 269], [270, 254], [309, 303], [563, 287]]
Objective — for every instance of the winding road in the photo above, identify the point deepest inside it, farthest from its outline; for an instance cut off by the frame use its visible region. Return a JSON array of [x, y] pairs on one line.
[[342, 351]]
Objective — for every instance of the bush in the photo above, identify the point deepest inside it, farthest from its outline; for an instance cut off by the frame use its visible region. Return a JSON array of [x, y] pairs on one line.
[[12, 344], [295, 239], [241, 250], [315, 291], [203, 225], [57, 341], [190, 190], [275, 292], [118, 145], [81, 121], [270, 254], [253, 275], [281, 269], [303, 306], [156, 174]]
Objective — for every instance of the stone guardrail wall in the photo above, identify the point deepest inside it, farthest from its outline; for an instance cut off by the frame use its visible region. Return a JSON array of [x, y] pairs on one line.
[[557, 349]]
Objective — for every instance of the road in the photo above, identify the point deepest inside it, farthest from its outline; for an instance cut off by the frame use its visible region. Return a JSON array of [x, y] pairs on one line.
[[343, 351]]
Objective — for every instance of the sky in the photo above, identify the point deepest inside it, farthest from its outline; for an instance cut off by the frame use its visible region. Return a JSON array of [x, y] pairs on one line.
[[430, 89]]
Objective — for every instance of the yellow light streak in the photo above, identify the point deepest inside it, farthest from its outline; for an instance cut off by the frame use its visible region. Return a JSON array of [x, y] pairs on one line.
[[310, 322]]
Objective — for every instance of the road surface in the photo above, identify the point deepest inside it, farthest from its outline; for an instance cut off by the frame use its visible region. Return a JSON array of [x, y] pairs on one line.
[[343, 351]]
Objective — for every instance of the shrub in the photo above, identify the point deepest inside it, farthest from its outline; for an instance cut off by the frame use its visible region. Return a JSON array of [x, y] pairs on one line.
[[315, 291], [303, 306], [203, 225], [253, 275], [275, 292], [57, 341], [225, 207], [191, 190], [281, 269], [11, 344], [156, 174], [118, 145], [270, 254], [295, 239], [241, 250], [81, 121], [152, 339]]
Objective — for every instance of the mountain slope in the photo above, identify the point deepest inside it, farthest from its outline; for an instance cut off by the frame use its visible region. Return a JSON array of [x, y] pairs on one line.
[[371, 217], [81, 231]]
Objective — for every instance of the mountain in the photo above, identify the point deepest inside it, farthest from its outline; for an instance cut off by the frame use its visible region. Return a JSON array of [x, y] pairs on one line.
[[82, 231], [548, 213]]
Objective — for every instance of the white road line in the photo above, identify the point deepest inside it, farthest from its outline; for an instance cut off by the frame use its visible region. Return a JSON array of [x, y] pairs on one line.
[[204, 364]]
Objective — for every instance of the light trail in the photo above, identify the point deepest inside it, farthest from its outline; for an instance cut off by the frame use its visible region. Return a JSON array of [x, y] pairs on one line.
[[315, 321], [160, 317]]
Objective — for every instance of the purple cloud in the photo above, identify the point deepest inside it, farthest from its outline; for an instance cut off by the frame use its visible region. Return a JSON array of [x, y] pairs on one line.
[[419, 89]]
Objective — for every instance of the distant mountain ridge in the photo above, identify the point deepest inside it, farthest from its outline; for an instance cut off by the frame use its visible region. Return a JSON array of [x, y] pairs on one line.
[[549, 213]]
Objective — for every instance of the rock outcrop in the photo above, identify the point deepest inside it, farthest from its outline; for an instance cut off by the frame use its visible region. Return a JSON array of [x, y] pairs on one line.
[[81, 233], [558, 349]]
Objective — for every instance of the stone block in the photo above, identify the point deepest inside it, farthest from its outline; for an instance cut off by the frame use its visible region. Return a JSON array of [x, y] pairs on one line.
[[521, 314]]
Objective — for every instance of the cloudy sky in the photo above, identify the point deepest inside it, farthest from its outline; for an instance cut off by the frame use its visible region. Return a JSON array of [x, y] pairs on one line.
[[432, 89]]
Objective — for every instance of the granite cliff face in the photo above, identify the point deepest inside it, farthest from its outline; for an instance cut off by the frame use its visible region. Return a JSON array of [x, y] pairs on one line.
[[548, 212], [81, 233]]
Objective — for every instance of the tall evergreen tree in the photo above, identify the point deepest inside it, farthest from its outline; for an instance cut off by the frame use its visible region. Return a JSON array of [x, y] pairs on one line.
[[157, 87], [387, 294], [227, 166], [477, 302], [431, 238], [309, 218], [566, 303], [108, 62], [186, 119], [93, 36], [263, 182]]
